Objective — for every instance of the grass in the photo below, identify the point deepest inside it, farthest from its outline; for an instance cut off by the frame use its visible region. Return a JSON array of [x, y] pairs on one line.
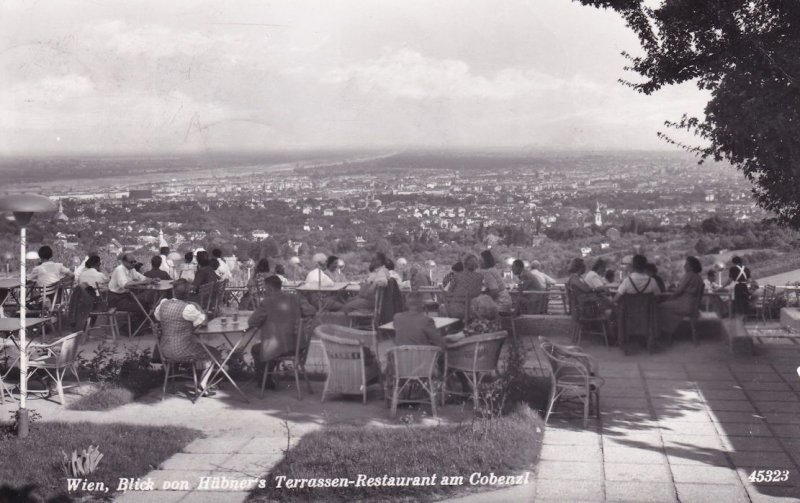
[[33, 464], [503, 446]]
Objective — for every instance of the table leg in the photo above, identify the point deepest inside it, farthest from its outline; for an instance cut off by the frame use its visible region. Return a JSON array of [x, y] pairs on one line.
[[221, 367]]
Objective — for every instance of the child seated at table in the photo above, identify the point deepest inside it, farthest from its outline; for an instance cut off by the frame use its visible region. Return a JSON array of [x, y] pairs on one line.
[[414, 327]]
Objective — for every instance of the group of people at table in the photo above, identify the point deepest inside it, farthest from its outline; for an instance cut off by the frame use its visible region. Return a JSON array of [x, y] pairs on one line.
[[674, 304], [476, 280]]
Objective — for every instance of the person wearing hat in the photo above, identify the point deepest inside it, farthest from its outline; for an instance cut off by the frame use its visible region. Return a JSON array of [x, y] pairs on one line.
[[318, 276]]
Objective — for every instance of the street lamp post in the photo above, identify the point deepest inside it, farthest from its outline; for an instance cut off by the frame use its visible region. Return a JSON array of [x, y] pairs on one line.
[[24, 206]]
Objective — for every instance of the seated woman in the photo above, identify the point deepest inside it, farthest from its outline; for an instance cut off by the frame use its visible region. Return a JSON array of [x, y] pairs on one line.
[[178, 320], [683, 301], [448, 278], [494, 284], [581, 293], [466, 284]]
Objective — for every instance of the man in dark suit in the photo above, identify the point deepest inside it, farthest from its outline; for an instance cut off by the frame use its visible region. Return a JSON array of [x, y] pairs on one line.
[[414, 327], [277, 319]]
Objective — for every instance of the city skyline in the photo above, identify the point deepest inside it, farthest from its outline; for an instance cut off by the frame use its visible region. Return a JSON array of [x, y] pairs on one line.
[[145, 78]]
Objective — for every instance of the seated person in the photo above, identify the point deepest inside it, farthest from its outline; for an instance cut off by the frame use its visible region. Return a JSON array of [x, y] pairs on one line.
[[319, 276], [333, 268], [91, 276], [596, 277], [378, 277], [280, 271], [178, 320], [652, 271], [392, 273], [465, 284], [222, 269], [448, 278], [276, 319], [414, 327], [638, 281], [206, 273], [156, 272], [683, 301], [610, 276], [530, 303], [122, 278], [48, 272]]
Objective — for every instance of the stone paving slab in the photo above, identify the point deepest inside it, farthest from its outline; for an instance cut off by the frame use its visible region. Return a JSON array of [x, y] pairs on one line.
[[640, 492], [569, 470], [705, 493], [637, 472], [704, 474], [570, 490]]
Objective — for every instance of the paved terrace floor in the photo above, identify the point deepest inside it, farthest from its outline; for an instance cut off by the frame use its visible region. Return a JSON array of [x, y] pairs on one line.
[[687, 424]]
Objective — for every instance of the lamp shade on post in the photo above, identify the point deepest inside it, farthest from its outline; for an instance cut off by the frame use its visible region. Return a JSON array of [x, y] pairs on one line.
[[24, 206]]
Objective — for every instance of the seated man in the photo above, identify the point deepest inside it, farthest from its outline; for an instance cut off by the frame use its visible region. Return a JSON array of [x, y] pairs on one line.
[[276, 319], [178, 320], [414, 327], [156, 272], [119, 296], [530, 303]]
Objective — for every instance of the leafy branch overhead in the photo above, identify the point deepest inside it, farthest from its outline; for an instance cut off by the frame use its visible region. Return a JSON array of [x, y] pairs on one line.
[[745, 52]]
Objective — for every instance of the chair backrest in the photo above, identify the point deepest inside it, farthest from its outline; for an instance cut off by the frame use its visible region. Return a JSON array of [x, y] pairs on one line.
[[302, 341], [68, 349], [638, 313], [414, 361], [698, 303], [206, 294], [340, 348], [479, 353], [533, 301], [562, 364]]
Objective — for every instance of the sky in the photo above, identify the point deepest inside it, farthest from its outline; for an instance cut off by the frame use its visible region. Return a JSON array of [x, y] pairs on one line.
[[133, 76]]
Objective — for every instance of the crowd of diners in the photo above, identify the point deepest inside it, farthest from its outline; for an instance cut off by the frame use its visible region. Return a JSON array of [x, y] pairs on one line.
[[475, 278]]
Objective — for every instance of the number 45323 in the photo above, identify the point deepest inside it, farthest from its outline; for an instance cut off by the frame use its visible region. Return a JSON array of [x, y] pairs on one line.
[[769, 476]]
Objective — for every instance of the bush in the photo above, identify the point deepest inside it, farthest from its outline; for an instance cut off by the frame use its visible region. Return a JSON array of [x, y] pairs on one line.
[[121, 380]]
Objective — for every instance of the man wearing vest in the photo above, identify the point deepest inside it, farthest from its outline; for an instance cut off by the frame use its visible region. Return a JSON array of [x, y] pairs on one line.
[[178, 320]]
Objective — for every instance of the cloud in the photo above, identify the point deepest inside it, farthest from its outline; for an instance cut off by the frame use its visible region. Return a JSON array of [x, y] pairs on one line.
[[408, 74], [155, 40], [52, 88]]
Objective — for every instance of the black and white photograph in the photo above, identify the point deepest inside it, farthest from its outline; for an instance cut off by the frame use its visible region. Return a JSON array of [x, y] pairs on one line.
[[462, 251]]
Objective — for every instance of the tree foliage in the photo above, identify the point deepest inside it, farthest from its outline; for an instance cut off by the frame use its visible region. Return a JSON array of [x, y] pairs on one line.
[[745, 52]]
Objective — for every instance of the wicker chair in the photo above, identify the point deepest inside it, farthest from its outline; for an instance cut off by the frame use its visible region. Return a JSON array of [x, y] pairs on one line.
[[765, 303], [351, 367], [412, 367], [476, 357], [297, 358], [573, 376], [637, 317], [587, 314], [46, 303], [56, 358]]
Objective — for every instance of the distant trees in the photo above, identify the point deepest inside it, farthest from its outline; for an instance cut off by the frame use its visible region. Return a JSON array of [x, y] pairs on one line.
[[745, 53]]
